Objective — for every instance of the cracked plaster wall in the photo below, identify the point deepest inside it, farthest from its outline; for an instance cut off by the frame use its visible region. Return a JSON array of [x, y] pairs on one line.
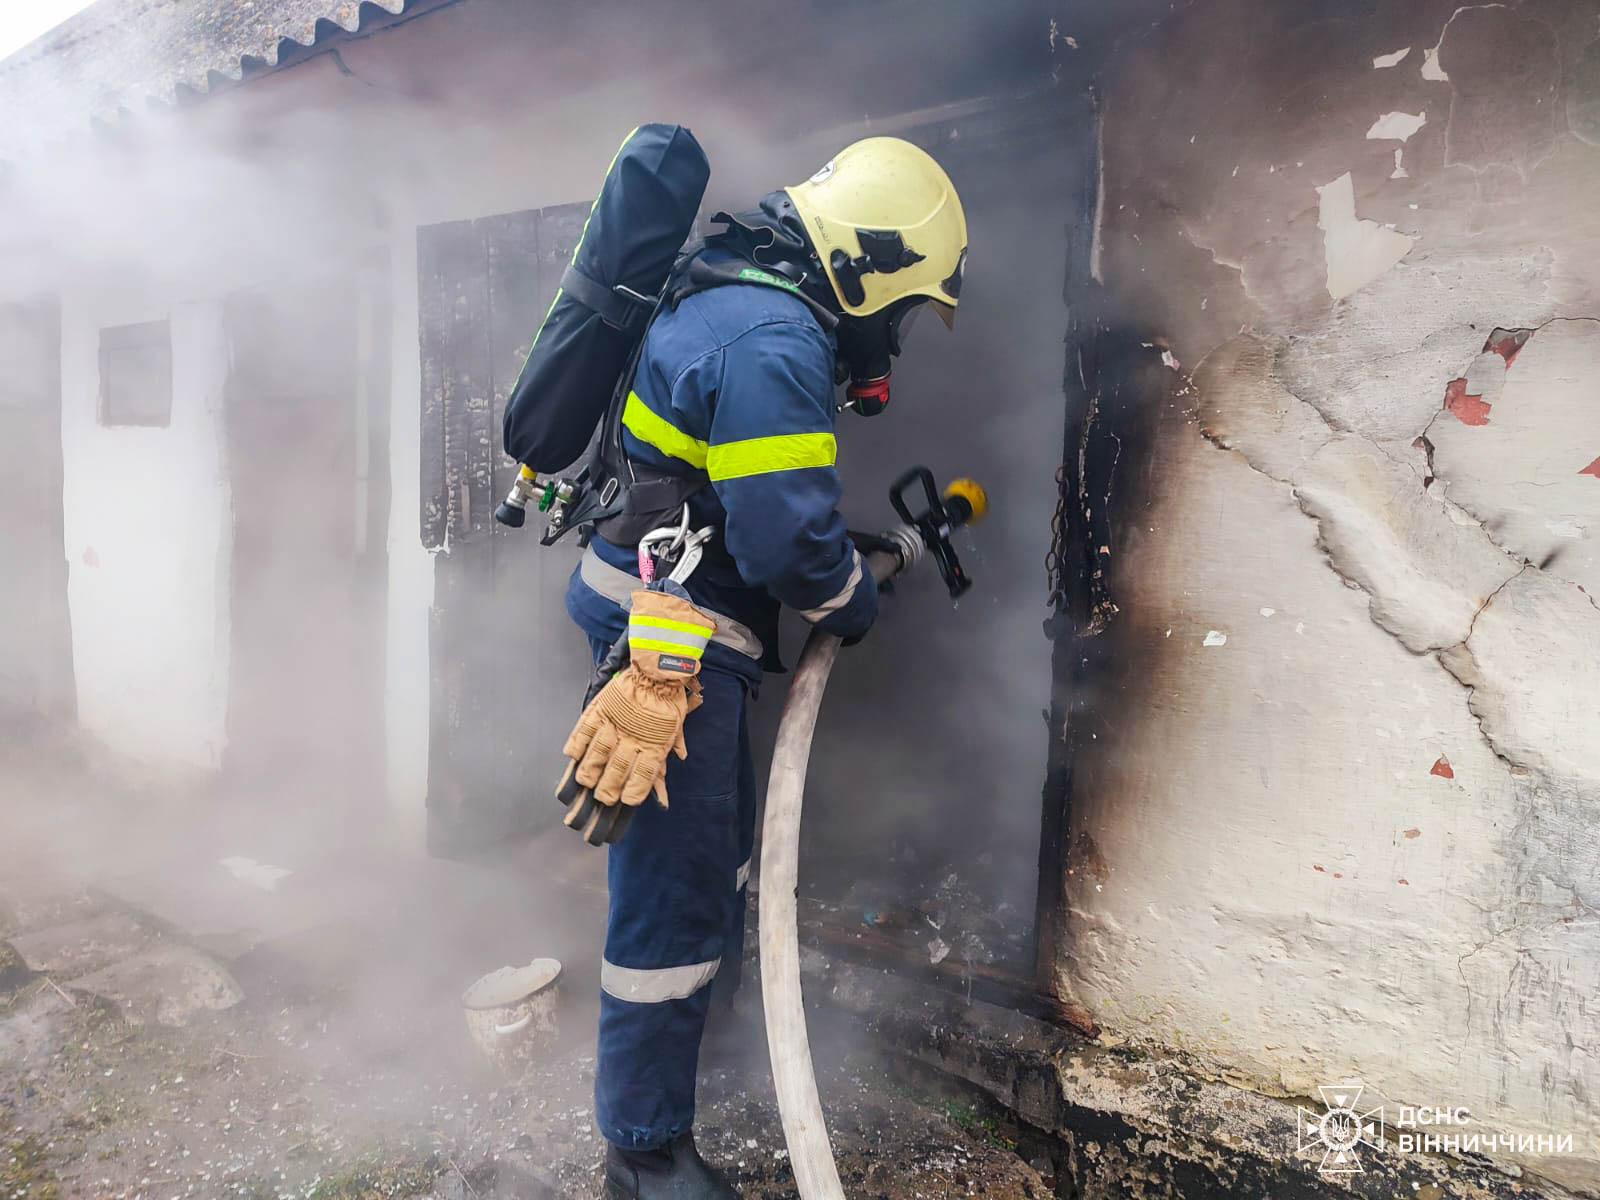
[[1340, 812]]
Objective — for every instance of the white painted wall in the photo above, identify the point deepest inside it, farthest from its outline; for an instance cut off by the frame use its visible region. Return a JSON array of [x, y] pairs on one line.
[[410, 593], [148, 523], [1358, 837]]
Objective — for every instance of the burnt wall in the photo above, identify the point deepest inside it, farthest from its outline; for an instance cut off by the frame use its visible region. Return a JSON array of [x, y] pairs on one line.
[[1333, 789]]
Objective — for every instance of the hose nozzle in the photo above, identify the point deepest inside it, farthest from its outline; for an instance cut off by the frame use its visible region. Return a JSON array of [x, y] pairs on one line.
[[965, 501]]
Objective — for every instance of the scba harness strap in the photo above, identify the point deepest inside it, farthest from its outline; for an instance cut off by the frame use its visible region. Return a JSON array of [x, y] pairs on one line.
[[623, 500], [618, 307]]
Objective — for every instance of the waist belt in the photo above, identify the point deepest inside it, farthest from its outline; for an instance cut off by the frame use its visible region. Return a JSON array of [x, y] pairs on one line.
[[618, 586]]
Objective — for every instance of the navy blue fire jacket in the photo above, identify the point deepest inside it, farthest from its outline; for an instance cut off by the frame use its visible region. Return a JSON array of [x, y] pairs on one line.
[[737, 383]]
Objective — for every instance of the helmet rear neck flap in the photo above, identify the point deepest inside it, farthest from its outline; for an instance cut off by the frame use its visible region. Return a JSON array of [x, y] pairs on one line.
[[773, 237]]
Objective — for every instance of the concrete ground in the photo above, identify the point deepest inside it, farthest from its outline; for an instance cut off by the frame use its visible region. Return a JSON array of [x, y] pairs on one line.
[[200, 999]]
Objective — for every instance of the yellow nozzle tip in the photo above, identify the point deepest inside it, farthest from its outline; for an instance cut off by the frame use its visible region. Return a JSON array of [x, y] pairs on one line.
[[528, 472], [972, 492]]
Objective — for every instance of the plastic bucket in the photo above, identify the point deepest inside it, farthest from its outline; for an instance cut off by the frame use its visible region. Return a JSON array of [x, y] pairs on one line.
[[511, 1013]]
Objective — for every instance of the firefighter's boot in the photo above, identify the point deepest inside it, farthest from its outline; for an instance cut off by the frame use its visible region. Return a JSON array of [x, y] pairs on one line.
[[673, 1172]]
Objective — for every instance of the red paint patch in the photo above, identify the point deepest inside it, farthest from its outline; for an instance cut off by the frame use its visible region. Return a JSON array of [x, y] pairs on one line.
[[1336, 875], [1507, 343], [1316, 867], [1468, 409], [1407, 882], [1443, 769], [1413, 833], [1592, 469]]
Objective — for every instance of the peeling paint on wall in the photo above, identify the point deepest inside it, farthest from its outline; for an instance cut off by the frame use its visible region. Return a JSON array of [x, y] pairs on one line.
[[1520, 472], [1431, 68], [1358, 251], [1397, 126]]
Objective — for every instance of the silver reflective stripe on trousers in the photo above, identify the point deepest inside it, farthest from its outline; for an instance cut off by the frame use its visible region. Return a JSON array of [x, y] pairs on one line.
[[639, 986], [617, 586], [742, 875], [839, 601]]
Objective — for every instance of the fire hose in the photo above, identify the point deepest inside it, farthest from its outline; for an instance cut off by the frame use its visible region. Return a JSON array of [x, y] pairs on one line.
[[800, 1107]]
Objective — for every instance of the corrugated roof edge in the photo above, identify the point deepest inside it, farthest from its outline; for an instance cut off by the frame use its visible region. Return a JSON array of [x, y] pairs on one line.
[[120, 55]]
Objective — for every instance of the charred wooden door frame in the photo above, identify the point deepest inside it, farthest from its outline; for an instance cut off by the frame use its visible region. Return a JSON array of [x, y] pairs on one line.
[[498, 619], [1071, 562], [1112, 381]]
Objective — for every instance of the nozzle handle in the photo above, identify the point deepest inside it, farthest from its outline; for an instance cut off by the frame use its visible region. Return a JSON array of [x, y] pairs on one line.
[[962, 503]]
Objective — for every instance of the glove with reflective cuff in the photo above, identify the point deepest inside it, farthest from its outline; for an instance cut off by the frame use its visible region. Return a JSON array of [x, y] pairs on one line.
[[618, 750]]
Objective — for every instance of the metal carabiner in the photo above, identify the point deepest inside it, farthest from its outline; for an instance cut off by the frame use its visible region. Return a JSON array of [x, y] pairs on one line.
[[669, 538], [693, 550]]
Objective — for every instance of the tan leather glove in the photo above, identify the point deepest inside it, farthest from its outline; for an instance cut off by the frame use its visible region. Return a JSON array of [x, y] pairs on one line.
[[618, 750]]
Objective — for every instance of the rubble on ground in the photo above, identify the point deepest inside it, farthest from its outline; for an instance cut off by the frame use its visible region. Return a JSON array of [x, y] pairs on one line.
[[187, 1083]]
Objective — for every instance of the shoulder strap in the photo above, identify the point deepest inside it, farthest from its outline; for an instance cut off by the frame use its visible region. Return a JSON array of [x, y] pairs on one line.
[[621, 309], [625, 501], [612, 476]]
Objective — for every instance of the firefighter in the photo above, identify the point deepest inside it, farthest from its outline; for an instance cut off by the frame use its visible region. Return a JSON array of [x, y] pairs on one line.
[[734, 389]]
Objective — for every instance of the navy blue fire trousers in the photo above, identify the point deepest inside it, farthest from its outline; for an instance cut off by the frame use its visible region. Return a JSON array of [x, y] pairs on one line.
[[676, 922]]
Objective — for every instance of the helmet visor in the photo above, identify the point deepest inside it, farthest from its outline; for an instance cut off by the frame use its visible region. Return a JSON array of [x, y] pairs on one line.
[[901, 321]]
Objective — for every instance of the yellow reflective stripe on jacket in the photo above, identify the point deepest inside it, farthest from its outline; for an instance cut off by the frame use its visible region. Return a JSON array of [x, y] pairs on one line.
[[733, 460], [704, 631], [663, 435], [764, 455]]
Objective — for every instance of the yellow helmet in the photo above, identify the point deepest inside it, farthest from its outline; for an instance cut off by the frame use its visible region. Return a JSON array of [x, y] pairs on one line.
[[887, 224]]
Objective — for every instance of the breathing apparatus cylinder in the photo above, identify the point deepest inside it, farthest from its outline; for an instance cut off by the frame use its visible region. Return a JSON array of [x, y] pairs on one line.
[[644, 211]]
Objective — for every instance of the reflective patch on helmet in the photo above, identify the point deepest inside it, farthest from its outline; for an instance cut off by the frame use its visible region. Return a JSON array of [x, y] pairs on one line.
[[756, 275], [822, 173]]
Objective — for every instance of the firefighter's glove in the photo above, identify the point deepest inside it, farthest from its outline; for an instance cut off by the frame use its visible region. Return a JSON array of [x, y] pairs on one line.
[[618, 751]]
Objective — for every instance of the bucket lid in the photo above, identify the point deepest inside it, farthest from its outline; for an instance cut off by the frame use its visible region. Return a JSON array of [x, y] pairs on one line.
[[512, 985]]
